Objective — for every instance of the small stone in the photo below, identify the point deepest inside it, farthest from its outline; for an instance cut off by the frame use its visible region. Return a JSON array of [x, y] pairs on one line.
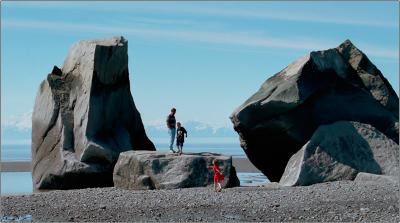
[[364, 210]]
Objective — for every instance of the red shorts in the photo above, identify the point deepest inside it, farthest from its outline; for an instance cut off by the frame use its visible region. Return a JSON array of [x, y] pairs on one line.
[[218, 178]]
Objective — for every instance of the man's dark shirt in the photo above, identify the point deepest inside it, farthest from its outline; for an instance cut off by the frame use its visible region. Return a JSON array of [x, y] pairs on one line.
[[171, 121], [180, 134]]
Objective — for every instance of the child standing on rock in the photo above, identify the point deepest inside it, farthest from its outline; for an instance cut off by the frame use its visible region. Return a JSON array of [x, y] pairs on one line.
[[180, 139], [218, 177]]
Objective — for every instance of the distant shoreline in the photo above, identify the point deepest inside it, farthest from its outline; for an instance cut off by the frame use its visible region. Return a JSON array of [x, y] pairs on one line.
[[240, 163]]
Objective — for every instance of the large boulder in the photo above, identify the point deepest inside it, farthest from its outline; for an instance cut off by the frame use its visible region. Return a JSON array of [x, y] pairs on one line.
[[340, 151], [159, 170], [369, 177], [84, 116], [320, 88]]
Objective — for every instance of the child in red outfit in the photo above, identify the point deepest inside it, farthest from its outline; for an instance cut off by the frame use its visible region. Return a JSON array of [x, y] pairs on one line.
[[218, 177]]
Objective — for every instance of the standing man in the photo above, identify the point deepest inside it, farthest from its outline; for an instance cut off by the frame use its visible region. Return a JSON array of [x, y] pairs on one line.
[[171, 125]]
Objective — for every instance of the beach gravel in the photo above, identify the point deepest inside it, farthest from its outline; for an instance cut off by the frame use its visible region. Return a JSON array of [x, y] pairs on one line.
[[333, 201]]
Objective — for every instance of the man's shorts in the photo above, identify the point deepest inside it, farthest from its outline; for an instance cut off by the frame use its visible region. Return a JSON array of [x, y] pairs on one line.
[[179, 143]]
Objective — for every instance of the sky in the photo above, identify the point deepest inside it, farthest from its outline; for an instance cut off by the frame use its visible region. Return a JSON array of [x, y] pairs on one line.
[[204, 58]]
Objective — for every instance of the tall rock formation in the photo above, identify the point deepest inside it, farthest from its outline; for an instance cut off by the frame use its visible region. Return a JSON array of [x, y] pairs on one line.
[[323, 87], [84, 116]]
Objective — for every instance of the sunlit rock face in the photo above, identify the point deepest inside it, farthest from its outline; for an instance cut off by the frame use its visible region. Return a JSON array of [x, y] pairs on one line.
[[84, 116], [340, 151]]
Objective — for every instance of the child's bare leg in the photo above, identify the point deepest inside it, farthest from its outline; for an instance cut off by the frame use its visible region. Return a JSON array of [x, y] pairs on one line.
[[219, 186]]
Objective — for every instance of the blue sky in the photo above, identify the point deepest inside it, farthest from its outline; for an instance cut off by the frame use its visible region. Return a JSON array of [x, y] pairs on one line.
[[204, 58]]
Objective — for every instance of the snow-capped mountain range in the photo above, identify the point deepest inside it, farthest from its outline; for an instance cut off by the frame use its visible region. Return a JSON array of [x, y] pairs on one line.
[[194, 129], [17, 130]]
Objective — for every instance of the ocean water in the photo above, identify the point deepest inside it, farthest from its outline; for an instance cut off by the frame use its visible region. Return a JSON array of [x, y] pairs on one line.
[[21, 182], [222, 145], [16, 183], [16, 152]]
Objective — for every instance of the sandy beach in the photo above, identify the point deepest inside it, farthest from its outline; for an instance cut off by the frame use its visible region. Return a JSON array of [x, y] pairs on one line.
[[16, 166], [336, 201]]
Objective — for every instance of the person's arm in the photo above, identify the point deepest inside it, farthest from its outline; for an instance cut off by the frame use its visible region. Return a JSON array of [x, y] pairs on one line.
[[218, 170], [184, 131], [168, 121]]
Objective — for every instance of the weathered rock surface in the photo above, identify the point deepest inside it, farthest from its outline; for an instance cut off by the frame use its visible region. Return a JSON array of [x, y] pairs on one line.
[[160, 170], [383, 179], [340, 151], [320, 88], [84, 116]]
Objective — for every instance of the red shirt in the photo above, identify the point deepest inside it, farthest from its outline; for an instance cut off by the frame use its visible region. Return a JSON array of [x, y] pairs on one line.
[[217, 173]]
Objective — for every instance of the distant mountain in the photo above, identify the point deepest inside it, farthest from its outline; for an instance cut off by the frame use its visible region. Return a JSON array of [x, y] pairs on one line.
[[194, 129], [12, 135], [17, 130]]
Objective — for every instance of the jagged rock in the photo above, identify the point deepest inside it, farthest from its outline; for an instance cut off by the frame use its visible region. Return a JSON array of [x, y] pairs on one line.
[[84, 116], [362, 177], [160, 170], [338, 152], [320, 88]]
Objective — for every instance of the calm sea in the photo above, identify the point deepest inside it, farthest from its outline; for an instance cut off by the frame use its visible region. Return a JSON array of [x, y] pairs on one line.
[[227, 146], [21, 182]]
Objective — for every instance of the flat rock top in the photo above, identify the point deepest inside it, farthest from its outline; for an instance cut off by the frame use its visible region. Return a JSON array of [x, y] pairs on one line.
[[158, 154], [337, 201], [113, 41]]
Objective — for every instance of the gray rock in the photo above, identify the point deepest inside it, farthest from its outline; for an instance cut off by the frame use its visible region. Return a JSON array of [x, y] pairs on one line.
[[340, 151], [84, 116], [160, 170], [272, 186], [376, 178], [371, 76], [320, 88]]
